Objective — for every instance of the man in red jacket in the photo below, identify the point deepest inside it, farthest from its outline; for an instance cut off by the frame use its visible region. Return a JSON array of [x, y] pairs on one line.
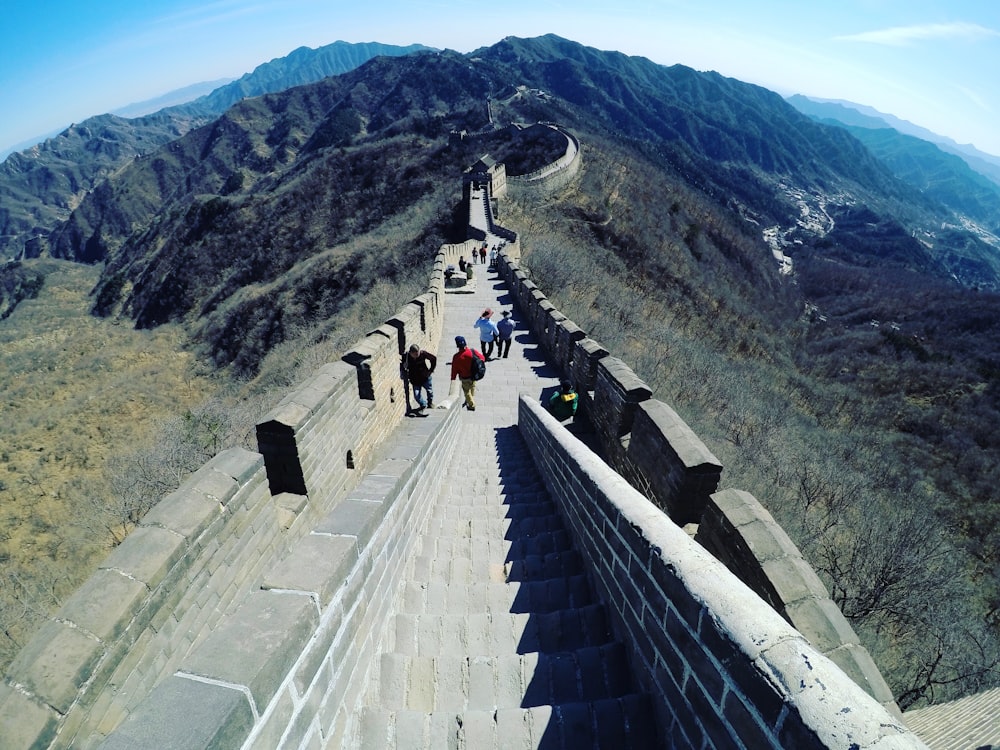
[[461, 367]]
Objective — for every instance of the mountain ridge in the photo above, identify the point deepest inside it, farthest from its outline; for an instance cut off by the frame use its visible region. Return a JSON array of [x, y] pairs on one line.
[[851, 113], [41, 184]]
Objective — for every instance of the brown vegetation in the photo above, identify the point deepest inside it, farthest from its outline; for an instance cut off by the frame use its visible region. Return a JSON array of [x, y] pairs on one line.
[[695, 304]]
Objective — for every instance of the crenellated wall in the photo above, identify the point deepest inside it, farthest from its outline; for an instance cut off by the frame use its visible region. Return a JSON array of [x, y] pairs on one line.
[[552, 177], [223, 613], [646, 441], [722, 669]]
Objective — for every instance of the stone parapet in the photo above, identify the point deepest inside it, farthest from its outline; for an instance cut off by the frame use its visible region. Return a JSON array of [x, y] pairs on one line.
[[740, 532], [655, 450], [157, 631], [722, 668]]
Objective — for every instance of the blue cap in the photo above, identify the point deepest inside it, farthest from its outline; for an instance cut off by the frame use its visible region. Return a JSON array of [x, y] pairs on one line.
[[460, 341]]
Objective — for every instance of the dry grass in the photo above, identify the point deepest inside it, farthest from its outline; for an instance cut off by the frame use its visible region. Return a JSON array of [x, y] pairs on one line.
[[74, 390]]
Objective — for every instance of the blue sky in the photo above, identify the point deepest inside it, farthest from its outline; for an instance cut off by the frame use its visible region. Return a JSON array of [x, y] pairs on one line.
[[935, 64]]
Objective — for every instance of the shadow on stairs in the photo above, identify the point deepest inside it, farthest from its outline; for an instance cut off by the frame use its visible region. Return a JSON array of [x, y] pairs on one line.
[[499, 642]]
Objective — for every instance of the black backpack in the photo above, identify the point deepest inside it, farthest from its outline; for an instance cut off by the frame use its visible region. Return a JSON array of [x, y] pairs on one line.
[[478, 366]]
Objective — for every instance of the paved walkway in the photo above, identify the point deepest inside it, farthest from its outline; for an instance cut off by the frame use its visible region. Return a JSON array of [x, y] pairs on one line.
[[499, 642]]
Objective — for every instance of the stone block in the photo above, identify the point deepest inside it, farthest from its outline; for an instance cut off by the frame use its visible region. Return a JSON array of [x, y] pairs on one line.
[[289, 508], [257, 645], [185, 512], [858, 664], [792, 579], [238, 463], [317, 564], [56, 663], [184, 713], [147, 554], [105, 604], [357, 518], [25, 723], [822, 623]]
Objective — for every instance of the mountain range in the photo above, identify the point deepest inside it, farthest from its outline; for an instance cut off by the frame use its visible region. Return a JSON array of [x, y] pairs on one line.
[[42, 184]]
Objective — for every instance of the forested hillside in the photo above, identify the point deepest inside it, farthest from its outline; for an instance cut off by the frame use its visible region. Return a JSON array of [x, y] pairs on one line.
[[854, 397]]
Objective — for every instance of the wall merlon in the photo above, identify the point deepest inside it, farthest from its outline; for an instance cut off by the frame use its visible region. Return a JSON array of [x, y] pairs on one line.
[[658, 419], [319, 564], [857, 663], [586, 355], [56, 663], [566, 334], [822, 622], [185, 512], [147, 554], [355, 518], [214, 485], [104, 606], [25, 722], [186, 713], [257, 645]]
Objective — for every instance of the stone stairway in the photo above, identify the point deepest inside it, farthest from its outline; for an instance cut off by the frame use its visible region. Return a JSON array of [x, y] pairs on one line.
[[499, 642]]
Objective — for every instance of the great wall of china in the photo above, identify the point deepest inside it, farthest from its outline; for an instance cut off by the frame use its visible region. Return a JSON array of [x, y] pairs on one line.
[[248, 608]]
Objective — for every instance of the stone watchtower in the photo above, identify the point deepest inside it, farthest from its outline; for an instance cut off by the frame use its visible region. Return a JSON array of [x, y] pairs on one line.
[[489, 173]]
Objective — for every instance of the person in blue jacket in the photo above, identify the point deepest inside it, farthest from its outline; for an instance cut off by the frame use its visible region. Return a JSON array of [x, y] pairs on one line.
[[488, 332]]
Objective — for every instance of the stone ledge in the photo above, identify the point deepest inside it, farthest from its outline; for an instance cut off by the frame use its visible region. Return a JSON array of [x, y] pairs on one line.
[[318, 564], [56, 663], [185, 713], [147, 554], [24, 723], [257, 645]]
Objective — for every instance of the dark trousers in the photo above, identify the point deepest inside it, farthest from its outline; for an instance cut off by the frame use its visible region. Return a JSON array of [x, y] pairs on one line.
[[487, 348], [503, 346]]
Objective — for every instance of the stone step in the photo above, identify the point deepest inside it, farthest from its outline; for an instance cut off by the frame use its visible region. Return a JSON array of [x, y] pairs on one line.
[[624, 723], [469, 540], [495, 509], [497, 527], [462, 682], [447, 598], [461, 569], [543, 543], [475, 547], [502, 633]]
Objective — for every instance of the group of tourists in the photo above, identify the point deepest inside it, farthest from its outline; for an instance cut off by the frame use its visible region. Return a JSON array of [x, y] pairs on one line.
[[468, 364]]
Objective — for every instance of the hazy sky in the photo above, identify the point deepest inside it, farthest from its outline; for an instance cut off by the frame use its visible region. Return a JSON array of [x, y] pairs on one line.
[[935, 63]]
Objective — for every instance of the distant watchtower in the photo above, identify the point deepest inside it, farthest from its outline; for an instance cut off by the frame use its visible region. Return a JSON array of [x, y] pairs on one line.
[[487, 172]]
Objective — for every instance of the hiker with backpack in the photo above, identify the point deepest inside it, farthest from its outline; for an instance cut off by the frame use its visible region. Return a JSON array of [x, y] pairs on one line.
[[469, 366]]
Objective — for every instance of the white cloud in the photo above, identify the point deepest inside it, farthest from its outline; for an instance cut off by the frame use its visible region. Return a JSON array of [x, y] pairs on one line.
[[899, 36]]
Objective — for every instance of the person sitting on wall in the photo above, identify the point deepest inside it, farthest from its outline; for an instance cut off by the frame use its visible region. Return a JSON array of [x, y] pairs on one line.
[[461, 263], [562, 404]]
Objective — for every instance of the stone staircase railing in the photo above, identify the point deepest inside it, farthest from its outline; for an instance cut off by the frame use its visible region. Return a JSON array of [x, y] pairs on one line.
[[721, 667], [658, 453]]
